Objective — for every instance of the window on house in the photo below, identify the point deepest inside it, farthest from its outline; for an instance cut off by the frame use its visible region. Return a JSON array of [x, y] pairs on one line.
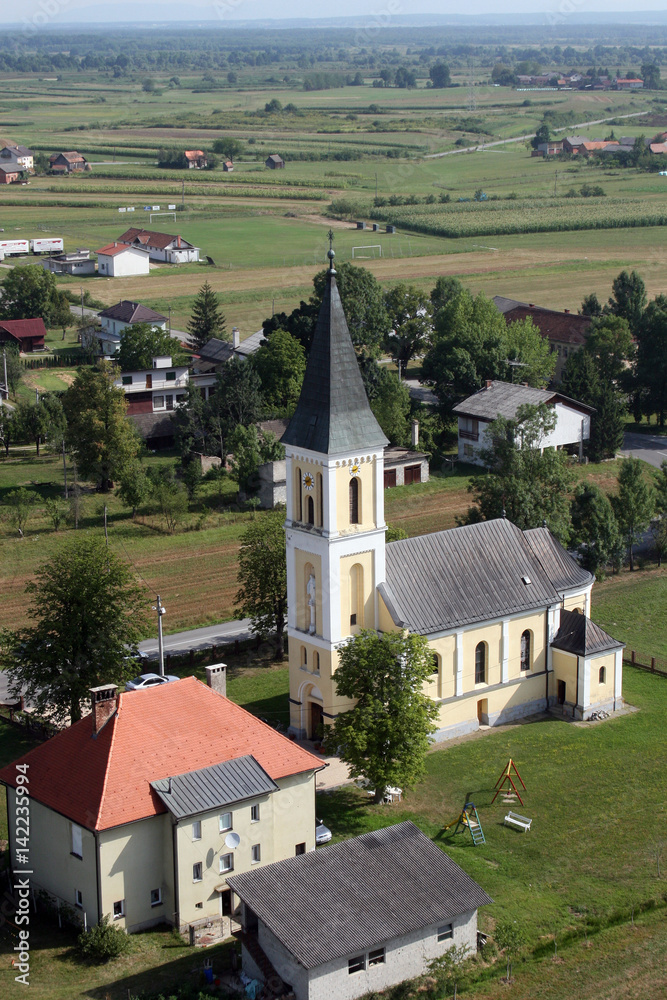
[[254, 814], [197, 872], [170, 376], [196, 830], [199, 906], [149, 381], [353, 619], [156, 897], [525, 650], [468, 451], [300, 849], [316, 662], [310, 510], [119, 909], [127, 379], [357, 964], [78, 898], [158, 402], [445, 933], [225, 822], [435, 664], [169, 401], [354, 500], [602, 677], [376, 957], [480, 663], [226, 863], [77, 841], [255, 854]]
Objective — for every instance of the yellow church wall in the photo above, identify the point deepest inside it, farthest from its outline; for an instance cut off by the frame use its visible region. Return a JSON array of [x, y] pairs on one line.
[[385, 621], [443, 684], [356, 592], [366, 480], [494, 704], [491, 636], [301, 561], [312, 470], [564, 669], [577, 603], [602, 693]]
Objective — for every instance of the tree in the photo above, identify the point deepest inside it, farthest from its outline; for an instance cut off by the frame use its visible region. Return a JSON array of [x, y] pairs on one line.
[[542, 135], [530, 486], [15, 369], [385, 737], [609, 341], [634, 503], [88, 614], [409, 313], [134, 486], [21, 503], [61, 315], [591, 305], [226, 146], [363, 303], [582, 381], [169, 498], [525, 345], [141, 342], [446, 289], [661, 490], [510, 938], [8, 427], [595, 532], [628, 298], [102, 440], [29, 291], [439, 75], [651, 366], [280, 363], [389, 399], [32, 421], [104, 940], [651, 76], [262, 596], [207, 320], [252, 449], [659, 532]]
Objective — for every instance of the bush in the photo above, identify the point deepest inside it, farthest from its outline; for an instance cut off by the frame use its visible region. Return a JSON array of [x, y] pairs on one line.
[[103, 942]]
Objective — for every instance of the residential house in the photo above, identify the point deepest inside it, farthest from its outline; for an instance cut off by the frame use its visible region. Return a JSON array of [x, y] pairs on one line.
[[10, 174], [228, 166], [162, 246], [658, 147], [216, 353], [68, 163], [552, 148], [356, 917], [488, 597], [574, 143], [142, 809], [630, 83], [196, 159], [29, 334], [17, 156], [274, 162], [117, 318], [501, 399], [566, 331], [77, 262], [119, 260]]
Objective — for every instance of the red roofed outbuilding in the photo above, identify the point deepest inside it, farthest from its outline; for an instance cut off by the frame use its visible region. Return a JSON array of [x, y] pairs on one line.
[[141, 809], [28, 333]]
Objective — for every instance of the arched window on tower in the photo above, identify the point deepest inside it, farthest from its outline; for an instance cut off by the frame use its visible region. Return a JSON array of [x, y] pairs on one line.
[[298, 507], [354, 500], [310, 510], [480, 663]]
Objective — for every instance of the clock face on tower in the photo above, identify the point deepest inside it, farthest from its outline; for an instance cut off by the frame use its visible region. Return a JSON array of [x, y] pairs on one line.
[[308, 481], [354, 470]]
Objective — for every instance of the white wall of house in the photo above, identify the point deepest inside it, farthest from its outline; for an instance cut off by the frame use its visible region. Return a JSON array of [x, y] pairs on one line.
[[117, 326], [571, 427], [174, 255], [404, 958], [128, 262]]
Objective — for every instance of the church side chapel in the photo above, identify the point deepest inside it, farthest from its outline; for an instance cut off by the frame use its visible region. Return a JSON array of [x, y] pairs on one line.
[[505, 611]]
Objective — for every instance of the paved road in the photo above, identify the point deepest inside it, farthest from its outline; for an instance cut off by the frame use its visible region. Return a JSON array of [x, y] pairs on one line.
[[652, 448], [199, 638], [570, 129]]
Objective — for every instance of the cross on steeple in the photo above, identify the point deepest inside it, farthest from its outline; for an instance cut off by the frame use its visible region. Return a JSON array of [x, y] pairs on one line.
[[331, 253]]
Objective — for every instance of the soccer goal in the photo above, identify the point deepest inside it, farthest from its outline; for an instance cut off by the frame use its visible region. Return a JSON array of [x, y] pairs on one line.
[[370, 252]]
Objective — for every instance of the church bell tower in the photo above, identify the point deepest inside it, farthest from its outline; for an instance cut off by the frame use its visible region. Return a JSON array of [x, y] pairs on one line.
[[335, 528]]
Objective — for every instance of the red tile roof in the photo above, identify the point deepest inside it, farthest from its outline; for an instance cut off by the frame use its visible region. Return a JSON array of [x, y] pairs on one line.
[[152, 239], [24, 329], [194, 154], [561, 327], [179, 727], [115, 248]]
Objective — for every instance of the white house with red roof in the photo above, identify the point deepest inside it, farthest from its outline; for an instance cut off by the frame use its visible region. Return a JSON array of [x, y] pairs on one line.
[[143, 808], [162, 247], [118, 260]]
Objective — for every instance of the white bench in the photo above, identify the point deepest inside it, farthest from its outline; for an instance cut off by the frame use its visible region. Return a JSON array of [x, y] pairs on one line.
[[522, 822]]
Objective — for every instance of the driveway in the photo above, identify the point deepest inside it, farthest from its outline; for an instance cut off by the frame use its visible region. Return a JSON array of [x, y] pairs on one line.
[[651, 448]]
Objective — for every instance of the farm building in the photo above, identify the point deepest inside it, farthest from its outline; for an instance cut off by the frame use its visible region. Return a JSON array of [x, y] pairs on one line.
[[162, 246], [68, 163], [118, 260], [566, 331], [274, 162], [77, 262], [17, 156], [356, 917], [196, 159], [28, 333], [228, 166], [143, 808], [630, 83], [488, 597], [10, 174], [500, 399]]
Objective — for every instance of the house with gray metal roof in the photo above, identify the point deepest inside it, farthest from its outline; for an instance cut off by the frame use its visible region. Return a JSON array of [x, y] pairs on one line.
[[358, 916], [488, 597], [502, 399]]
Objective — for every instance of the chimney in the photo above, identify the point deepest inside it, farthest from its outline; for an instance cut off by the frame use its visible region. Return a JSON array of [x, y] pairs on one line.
[[415, 434], [216, 678], [566, 310], [489, 383], [236, 337], [104, 701], [531, 305]]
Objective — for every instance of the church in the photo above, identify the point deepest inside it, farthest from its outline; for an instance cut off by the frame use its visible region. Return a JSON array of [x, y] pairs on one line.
[[505, 611]]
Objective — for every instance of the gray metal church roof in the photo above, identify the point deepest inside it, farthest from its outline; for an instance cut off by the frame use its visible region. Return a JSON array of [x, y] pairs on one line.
[[564, 572], [578, 634], [213, 787], [474, 573], [344, 899], [333, 414]]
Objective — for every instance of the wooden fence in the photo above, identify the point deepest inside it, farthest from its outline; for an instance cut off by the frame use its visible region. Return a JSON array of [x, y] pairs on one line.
[[654, 664]]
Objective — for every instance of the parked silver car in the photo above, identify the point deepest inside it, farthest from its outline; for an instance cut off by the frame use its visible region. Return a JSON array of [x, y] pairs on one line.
[[144, 681]]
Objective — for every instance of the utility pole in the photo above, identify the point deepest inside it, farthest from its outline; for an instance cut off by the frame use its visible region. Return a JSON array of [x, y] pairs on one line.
[[183, 193], [556, 185], [82, 302], [106, 533], [170, 321], [6, 389], [376, 186], [160, 646], [65, 470]]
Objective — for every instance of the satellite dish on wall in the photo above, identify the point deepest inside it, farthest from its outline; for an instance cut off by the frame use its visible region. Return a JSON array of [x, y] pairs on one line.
[[232, 840]]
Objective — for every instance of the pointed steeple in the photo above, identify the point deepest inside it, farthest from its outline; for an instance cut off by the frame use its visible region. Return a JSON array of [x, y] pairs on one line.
[[333, 415]]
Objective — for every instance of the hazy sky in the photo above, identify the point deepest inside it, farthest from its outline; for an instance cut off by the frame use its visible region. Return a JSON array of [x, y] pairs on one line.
[[41, 11]]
